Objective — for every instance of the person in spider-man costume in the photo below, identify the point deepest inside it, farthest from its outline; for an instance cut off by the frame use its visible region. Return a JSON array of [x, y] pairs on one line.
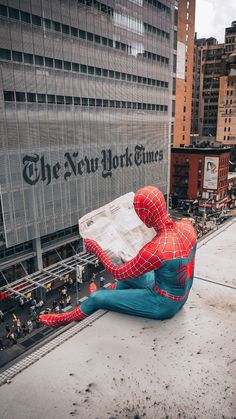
[[157, 281]]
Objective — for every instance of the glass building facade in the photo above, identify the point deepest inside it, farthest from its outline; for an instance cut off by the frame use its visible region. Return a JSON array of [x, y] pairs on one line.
[[86, 88]]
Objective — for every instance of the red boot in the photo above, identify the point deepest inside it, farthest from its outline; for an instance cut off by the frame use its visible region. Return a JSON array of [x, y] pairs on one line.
[[62, 318]]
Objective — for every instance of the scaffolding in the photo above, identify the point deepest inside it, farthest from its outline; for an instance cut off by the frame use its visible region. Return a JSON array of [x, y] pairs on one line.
[[42, 278]]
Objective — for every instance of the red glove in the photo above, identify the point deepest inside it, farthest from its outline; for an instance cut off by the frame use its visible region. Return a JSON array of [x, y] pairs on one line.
[[92, 246]]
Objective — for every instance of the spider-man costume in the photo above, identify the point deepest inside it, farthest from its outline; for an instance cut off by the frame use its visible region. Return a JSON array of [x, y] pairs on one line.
[[156, 282]]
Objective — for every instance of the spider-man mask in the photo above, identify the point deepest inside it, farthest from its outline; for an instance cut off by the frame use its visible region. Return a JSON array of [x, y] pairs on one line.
[[150, 206]]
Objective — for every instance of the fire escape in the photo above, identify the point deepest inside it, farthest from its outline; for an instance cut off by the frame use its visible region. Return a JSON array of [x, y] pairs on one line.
[[181, 177]]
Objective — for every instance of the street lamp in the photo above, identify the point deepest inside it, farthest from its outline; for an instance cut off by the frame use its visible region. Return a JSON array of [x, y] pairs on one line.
[[78, 280]]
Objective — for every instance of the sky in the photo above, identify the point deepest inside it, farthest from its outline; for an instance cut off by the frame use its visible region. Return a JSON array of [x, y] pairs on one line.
[[213, 16]]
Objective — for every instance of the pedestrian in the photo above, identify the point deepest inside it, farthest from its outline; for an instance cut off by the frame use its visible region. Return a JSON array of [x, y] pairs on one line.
[[11, 338], [61, 304], [71, 283], [8, 329], [24, 330], [102, 281], [18, 328], [92, 286], [93, 277], [54, 304], [64, 292], [30, 326], [22, 302], [33, 315], [1, 344], [14, 319], [68, 300], [40, 304], [1, 316]]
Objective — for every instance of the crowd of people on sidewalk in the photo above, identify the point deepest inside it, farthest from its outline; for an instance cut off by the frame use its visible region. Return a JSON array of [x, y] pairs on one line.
[[17, 328]]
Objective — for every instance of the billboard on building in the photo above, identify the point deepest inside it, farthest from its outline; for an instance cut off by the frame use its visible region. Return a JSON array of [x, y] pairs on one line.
[[211, 173]]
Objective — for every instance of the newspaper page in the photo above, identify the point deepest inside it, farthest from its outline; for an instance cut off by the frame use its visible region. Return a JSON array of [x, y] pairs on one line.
[[117, 228]]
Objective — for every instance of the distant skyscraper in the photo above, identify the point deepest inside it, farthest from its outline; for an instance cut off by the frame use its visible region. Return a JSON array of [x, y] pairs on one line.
[[86, 93], [184, 73], [213, 84], [207, 71], [226, 122]]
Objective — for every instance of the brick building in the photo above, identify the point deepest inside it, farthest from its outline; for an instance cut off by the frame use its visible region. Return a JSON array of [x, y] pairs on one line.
[[200, 174], [184, 73]]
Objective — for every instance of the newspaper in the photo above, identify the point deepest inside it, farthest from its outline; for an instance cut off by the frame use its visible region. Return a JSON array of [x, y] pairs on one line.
[[117, 228]]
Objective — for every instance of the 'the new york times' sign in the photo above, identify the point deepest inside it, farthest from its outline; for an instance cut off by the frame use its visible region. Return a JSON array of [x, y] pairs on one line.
[[37, 169], [46, 189]]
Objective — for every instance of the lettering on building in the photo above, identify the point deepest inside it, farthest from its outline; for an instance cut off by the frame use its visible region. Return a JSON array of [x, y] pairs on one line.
[[36, 168]]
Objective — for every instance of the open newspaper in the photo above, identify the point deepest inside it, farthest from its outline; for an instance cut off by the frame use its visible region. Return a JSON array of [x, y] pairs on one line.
[[117, 228]]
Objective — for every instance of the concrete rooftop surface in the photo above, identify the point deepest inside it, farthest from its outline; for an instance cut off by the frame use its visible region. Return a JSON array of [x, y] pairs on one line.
[[117, 366]]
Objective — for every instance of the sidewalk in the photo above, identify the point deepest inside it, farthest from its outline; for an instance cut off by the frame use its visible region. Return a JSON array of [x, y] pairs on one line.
[[9, 353]]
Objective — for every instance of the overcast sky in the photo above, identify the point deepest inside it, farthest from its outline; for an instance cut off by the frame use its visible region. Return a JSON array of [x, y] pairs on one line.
[[213, 16]]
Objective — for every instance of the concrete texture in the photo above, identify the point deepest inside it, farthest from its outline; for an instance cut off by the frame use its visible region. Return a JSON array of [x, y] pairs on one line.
[[127, 367]]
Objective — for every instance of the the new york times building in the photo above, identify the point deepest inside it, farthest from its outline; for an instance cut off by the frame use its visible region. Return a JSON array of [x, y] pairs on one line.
[[86, 95]]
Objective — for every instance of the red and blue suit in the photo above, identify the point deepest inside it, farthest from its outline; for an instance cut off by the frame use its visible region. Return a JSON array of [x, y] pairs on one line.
[[156, 282]]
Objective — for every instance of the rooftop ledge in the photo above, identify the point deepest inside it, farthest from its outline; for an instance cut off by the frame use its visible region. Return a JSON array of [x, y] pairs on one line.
[[117, 366]]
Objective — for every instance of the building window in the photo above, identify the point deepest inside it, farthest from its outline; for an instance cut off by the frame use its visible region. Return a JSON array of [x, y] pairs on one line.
[[13, 13], [28, 59], [97, 39], [58, 64], [20, 97], [3, 10], [51, 99], [84, 101], [67, 65], [74, 32], [31, 97], [68, 100], [41, 98], [48, 62], [90, 70], [5, 54], [83, 68], [9, 96], [17, 56], [39, 60], [36, 20], [56, 26], [47, 23], [98, 71], [60, 100], [89, 36], [25, 17], [92, 102], [65, 29], [75, 67]]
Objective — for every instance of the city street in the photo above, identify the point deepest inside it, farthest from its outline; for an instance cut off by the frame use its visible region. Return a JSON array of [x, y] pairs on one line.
[[39, 333]]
